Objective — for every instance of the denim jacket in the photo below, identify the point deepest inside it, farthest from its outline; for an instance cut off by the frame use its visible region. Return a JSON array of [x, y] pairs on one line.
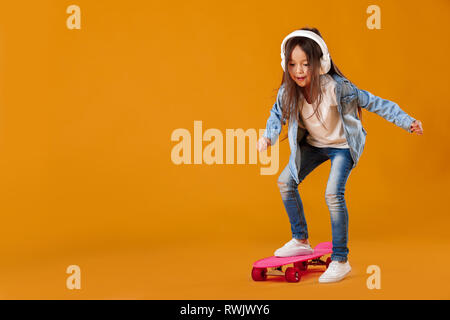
[[348, 97]]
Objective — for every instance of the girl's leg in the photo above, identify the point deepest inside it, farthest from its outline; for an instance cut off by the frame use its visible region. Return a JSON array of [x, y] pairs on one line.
[[341, 166], [310, 159]]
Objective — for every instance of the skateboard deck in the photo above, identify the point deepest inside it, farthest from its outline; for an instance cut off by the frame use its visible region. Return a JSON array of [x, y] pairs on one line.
[[300, 263]]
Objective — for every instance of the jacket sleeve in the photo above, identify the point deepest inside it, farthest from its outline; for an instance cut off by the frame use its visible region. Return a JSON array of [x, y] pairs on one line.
[[273, 124], [387, 109]]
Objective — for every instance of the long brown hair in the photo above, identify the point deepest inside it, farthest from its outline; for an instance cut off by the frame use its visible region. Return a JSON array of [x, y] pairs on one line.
[[294, 95]]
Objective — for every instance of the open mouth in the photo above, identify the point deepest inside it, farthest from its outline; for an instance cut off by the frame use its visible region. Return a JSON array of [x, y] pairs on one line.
[[301, 78]]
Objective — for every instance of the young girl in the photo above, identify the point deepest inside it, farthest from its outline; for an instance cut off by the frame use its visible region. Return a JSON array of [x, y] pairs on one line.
[[320, 104]]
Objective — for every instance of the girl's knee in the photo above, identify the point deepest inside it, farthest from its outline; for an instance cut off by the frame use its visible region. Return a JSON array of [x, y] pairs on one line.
[[286, 186], [283, 186], [334, 198]]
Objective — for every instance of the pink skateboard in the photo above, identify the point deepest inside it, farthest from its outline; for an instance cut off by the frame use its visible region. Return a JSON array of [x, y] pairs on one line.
[[301, 263]]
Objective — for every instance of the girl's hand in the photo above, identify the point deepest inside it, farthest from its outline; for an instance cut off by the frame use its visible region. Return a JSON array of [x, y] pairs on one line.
[[416, 127], [262, 144]]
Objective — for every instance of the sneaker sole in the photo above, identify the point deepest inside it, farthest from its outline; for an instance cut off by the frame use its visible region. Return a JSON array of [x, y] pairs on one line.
[[293, 255], [330, 280]]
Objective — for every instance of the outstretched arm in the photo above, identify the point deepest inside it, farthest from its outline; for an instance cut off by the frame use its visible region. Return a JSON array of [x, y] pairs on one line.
[[387, 109]]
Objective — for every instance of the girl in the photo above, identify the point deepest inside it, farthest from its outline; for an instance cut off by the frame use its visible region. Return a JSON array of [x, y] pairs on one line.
[[320, 104]]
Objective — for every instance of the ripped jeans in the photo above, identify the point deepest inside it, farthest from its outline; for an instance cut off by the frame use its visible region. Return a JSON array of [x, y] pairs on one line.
[[341, 166]]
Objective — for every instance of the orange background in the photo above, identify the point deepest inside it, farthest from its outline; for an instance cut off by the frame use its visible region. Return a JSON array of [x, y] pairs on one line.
[[87, 179]]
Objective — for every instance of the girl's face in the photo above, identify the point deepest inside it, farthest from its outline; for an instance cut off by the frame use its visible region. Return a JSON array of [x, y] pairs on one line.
[[298, 67]]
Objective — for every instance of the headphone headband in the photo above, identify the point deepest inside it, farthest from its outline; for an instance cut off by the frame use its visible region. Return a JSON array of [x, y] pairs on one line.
[[325, 62]]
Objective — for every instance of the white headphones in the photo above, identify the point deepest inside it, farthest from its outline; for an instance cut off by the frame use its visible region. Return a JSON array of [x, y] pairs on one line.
[[325, 62]]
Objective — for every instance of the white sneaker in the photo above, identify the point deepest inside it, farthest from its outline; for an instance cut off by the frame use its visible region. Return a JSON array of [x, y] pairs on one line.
[[293, 248], [336, 272]]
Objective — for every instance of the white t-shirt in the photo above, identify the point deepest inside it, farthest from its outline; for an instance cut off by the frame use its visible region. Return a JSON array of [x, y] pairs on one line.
[[319, 136]]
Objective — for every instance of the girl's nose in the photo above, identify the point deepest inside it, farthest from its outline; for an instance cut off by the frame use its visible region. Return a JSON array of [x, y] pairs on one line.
[[299, 69]]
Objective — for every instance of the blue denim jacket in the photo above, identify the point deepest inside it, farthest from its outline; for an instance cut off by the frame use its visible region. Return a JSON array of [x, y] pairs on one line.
[[348, 97]]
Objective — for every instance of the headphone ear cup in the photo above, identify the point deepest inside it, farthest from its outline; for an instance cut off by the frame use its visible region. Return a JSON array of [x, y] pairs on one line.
[[322, 69], [325, 64]]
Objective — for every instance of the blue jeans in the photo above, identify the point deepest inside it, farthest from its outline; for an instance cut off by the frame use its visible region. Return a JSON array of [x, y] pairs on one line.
[[341, 166]]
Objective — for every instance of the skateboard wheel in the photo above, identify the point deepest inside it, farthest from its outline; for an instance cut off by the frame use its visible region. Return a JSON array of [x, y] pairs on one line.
[[327, 263], [292, 274], [259, 274]]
